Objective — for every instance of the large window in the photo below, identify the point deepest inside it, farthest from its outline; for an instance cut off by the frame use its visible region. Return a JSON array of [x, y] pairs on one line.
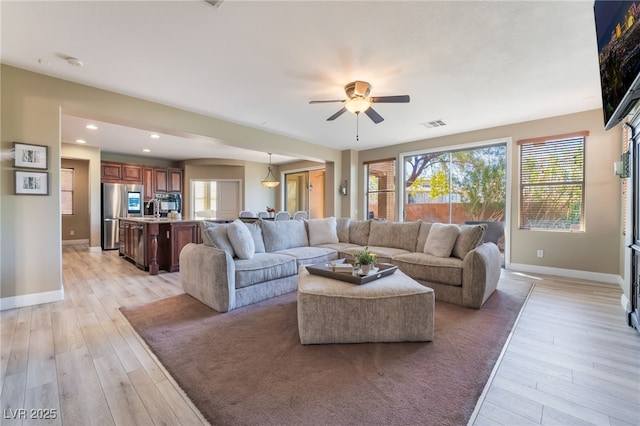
[[204, 198], [456, 186], [552, 183], [381, 189], [66, 191]]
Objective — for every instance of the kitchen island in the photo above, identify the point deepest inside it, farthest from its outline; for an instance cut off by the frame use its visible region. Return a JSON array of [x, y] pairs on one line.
[[154, 244]]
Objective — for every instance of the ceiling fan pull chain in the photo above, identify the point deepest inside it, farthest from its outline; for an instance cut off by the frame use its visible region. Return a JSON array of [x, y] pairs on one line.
[[357, 127]]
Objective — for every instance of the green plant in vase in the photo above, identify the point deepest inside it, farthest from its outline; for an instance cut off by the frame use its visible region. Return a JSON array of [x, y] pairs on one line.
[[365, 259]]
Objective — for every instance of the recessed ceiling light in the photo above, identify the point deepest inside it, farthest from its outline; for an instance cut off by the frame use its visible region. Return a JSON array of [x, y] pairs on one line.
[[74, 61], [91, 127], [433, 124], [81, 141], [154, 136], [146, 150]]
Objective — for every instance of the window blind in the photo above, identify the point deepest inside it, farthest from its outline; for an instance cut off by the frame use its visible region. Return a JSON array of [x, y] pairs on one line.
[[552, 184]]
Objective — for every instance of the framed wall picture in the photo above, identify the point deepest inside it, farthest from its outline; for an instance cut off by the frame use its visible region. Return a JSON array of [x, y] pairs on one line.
[[29, 156], [31, 183]]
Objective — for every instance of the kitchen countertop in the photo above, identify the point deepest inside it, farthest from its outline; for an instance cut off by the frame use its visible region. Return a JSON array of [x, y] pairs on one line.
[[153, 219]]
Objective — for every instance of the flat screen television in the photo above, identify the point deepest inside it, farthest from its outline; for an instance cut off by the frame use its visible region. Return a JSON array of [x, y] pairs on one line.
[[618, 34]]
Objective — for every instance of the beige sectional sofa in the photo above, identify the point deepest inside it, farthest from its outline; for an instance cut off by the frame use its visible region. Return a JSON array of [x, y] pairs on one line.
[[243, 263]]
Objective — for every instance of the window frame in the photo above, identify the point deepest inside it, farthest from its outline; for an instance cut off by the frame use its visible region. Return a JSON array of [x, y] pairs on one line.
[[64, 170], [393, 192], [551, 182]]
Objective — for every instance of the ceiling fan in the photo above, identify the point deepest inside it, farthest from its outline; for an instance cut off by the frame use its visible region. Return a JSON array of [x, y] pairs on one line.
[[359, 101]]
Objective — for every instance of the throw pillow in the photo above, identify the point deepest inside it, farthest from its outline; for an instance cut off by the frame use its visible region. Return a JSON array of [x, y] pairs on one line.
[[441, 239], [322, 231], [241, 239], [470, 237], [218, 238]]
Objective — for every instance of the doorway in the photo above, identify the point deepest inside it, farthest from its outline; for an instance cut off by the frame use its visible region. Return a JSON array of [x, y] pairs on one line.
[[74, 196], [305, 191]]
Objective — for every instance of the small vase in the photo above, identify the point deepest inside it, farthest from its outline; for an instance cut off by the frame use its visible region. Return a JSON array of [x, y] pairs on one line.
[[272, 214], [365, 269]]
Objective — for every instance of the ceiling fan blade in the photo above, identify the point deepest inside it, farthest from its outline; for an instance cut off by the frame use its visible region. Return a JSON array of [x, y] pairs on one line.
[[373, 115], [399, 99], [337, 114], [324, 102]]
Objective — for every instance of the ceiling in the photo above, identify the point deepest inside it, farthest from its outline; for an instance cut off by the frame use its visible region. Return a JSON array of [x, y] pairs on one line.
[[470, 64]]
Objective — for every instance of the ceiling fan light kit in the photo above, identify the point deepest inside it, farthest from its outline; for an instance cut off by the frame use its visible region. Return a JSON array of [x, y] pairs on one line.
[[358, 101], [270, 180], [357, 105]]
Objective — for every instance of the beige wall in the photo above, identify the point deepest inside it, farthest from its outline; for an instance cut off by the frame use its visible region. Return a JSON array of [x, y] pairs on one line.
[[78, 222], [31, 104], [597, 250]]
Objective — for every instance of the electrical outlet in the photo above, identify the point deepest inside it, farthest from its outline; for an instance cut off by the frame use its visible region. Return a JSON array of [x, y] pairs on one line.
[[540, 253], [72, 232]]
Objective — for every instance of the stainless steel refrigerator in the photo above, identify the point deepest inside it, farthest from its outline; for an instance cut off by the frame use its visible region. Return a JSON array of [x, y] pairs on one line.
[[118, 200]]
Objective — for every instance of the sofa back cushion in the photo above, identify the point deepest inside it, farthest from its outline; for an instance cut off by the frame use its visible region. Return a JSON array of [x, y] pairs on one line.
[[359, 232], [441, 239], [394, 235], [342, 228], [322, 231], [256, 233], [283, 234], [425, 227], [470, 237]]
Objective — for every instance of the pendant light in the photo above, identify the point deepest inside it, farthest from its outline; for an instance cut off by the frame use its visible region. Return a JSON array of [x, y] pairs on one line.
[[270, 181]]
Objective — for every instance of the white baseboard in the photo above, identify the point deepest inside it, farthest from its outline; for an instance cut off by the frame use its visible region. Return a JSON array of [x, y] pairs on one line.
[[567, 273], [625, 302], [13, 302], [69, 242], [95, 249]]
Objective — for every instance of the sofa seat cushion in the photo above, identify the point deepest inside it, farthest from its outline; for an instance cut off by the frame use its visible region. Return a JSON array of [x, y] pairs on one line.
[[383, 254], [310, 255], [264, 267], [426, 267]]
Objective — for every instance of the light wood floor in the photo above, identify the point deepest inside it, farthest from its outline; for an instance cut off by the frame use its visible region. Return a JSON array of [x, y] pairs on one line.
[[571, 360]]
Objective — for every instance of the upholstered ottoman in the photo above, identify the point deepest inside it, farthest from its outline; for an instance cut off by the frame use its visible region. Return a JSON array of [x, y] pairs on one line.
[[391, 309]]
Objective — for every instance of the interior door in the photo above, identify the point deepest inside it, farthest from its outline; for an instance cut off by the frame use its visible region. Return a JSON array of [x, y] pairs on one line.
[[228, 199]]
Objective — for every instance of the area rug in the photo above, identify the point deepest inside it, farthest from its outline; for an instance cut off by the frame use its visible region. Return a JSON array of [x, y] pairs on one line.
[[247, 367]]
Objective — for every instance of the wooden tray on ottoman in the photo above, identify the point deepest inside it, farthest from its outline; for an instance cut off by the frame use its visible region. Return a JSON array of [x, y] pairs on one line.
[[324, 269]]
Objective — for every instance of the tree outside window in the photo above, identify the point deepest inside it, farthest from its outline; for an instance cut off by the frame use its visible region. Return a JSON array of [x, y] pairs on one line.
[[457, 186]]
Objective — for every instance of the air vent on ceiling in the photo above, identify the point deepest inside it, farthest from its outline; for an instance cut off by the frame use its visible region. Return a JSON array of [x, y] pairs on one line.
[[214, 3], [434, 123]]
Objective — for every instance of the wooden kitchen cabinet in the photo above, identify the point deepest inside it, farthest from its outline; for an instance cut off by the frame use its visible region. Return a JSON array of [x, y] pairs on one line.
[[155, 179], [132, 174], [110, 172], [175, 180], [173, 237], [155, 245], [161, 180], [149, 182]]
